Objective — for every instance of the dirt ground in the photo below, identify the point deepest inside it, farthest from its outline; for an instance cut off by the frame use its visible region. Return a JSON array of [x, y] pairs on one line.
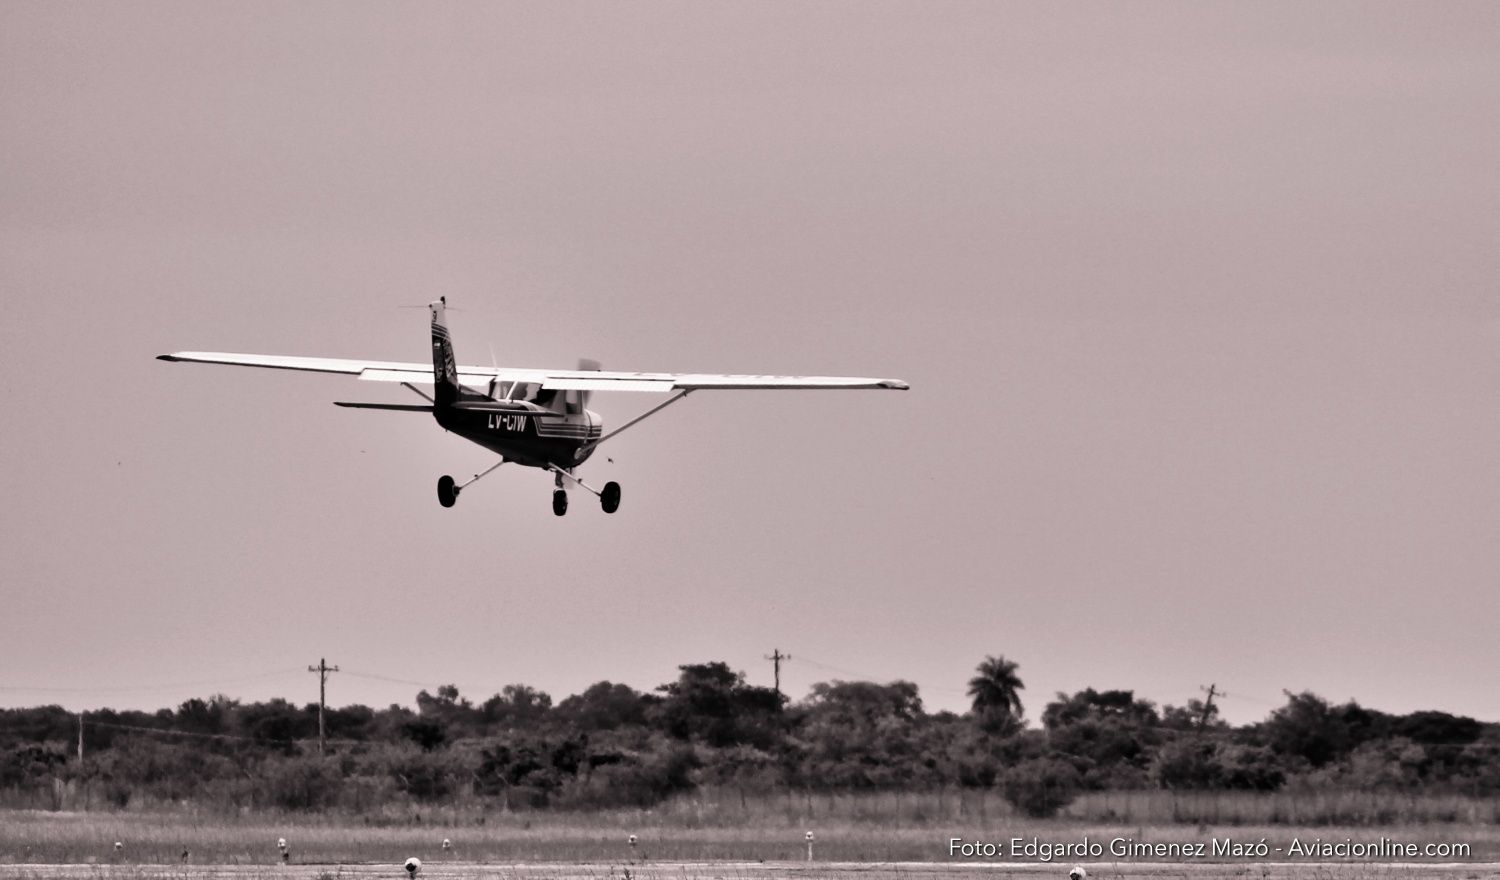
[[1243, 870]]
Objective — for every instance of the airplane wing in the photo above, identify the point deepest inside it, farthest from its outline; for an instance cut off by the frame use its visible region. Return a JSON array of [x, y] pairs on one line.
[[563, 380]]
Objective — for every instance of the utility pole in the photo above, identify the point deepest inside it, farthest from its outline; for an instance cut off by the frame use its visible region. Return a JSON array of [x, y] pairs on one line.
[[776, 657], [322, 669], [80, 737], [1208, 706]]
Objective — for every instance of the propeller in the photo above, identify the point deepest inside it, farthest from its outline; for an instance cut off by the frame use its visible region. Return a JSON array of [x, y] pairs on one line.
[[493, 379], [580, 399]]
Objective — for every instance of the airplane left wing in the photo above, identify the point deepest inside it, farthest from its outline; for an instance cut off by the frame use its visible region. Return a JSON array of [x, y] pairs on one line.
[[379, 371], [563, 380], [287, 362]]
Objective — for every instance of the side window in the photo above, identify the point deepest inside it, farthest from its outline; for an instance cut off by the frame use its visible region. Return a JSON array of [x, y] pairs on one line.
[[518, 391]]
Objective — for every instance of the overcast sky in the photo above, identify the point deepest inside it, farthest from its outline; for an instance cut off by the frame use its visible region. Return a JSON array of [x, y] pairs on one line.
[[1197, 302]]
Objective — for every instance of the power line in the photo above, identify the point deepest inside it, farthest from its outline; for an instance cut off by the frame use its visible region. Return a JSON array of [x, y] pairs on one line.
[[1239, 696], [840, 670], [423, 684], [374, 677]]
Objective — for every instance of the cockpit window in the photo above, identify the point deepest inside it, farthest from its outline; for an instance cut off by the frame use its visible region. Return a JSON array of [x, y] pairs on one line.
[[518, 391]]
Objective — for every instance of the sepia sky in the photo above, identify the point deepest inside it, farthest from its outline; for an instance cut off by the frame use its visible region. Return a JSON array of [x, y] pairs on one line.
[[1198, 303]]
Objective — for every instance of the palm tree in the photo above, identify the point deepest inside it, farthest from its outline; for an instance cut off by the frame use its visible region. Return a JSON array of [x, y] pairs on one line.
[[995, 690]]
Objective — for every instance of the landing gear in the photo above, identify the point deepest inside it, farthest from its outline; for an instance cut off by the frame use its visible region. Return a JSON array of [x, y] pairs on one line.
[[609, 498], [448, 491]]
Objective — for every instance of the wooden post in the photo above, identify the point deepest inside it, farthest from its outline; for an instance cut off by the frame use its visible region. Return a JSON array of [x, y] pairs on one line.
[[322, 669]]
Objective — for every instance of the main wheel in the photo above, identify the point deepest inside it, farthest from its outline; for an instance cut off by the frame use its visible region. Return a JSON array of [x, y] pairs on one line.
[[559, 502], [609, 499], [447, 492]]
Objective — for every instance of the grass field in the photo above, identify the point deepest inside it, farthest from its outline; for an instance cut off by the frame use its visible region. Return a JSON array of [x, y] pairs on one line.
[[33, 837]]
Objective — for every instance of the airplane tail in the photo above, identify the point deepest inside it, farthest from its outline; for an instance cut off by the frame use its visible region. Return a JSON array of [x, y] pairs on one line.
[[444, 367]]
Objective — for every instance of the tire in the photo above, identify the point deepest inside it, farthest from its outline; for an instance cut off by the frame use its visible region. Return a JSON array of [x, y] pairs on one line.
[[609, 499], [447, 492], [559, 502]]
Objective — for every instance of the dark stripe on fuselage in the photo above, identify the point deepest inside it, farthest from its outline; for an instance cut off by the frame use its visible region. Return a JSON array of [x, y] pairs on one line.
[[523, 436]]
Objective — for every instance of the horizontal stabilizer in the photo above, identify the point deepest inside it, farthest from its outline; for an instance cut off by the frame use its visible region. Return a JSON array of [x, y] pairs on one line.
[[555, 380], [398, 407]]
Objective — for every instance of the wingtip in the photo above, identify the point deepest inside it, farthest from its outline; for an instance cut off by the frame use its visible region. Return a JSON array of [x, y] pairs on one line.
[[895, 385], [167, 357]]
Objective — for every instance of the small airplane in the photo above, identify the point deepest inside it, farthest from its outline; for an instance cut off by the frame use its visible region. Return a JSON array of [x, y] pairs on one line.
[[534, 418]]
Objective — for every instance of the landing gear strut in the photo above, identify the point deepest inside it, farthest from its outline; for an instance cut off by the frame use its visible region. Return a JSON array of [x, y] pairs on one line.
[[448, 491], [609, 497]]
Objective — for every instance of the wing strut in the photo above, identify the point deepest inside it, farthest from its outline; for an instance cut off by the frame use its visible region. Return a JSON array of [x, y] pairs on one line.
[[640, 418]]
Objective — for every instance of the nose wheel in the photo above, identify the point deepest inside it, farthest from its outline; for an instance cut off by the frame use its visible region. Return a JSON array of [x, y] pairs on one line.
[[609, 496]]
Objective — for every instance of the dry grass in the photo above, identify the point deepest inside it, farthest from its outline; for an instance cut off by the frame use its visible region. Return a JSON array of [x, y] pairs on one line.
[[942, 809], [871, 829], [1374, 809]]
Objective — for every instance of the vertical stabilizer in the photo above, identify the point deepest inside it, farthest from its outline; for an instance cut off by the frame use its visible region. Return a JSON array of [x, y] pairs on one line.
[[444, 367]]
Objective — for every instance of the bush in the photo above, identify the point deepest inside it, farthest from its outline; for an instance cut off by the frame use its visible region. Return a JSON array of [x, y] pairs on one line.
[[642, 782], [303, 783], [1039, 787], [422, 775], [1195, 763]]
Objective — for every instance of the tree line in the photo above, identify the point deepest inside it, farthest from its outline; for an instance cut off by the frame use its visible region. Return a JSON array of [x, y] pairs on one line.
[[613, 746]]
